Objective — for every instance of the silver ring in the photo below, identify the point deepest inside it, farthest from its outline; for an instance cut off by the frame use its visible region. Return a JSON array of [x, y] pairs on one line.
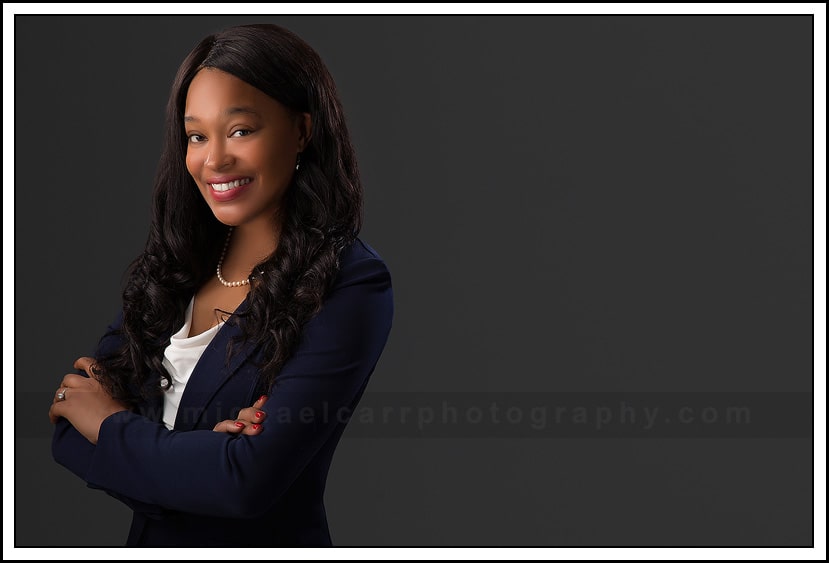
[[61, 396]]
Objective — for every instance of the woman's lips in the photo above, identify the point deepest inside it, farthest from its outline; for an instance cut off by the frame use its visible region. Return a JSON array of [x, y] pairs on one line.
[[229, 194]]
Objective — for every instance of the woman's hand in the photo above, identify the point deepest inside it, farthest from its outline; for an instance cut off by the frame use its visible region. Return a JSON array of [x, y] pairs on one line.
[[83, 402], [248, 422]]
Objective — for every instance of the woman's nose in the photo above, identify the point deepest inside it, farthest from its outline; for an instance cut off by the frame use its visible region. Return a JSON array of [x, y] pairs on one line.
[[218, 156]]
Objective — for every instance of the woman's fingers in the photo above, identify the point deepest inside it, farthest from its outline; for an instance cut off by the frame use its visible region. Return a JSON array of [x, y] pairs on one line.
[[73, 383], [252, 429], [238, 427], [86, 364], [248, 421], [53, 415], [70, 381], [60, 395], [251, 415], [229, 427], [74, 380]]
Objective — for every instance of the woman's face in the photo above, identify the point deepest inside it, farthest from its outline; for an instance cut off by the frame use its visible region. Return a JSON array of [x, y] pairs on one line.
[[242, 146]]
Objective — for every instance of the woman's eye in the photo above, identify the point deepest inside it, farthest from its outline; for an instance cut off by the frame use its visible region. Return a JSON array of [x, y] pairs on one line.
[[195, 138], [242, 132]]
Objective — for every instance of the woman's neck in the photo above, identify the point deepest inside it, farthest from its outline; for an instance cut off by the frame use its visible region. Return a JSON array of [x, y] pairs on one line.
[[250, 244]]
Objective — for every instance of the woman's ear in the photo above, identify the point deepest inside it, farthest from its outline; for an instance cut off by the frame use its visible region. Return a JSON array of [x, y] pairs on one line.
[[304, 124]]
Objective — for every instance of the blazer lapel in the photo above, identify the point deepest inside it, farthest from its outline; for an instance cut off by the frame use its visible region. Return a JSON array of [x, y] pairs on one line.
[[210, 373]]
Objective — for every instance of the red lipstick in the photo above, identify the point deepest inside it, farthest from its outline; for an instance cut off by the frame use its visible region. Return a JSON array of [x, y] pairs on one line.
[[229, 194]]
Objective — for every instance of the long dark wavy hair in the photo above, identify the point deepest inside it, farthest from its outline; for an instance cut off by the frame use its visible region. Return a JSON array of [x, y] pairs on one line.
[[321, 215]]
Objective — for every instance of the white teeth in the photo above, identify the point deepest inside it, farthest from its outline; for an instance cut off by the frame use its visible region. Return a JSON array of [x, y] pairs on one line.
[[229, 185]]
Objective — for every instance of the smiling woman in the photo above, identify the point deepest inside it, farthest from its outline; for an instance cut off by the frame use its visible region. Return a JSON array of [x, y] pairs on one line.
[[258, 184], [243, 147]]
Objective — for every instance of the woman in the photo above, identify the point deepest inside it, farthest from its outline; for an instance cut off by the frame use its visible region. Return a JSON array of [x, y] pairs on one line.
[[219, 429]]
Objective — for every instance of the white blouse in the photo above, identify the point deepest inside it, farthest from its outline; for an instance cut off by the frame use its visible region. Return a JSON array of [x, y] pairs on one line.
[[180, 359]]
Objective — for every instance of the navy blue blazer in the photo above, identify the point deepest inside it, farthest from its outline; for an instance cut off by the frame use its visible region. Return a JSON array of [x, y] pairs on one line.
[[190, 486]]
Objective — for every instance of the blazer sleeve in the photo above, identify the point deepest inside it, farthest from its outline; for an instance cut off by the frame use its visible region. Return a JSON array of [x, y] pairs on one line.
[[219, 474], [72, 450]]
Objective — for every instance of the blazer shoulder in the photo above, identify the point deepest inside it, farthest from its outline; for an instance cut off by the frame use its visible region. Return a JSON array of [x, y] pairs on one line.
[[359, 262], [360, 250]]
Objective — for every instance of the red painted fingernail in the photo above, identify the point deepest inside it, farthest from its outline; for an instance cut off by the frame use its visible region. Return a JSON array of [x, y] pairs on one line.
[[240, 424], [255, 426], [259, 414], [263, 397]]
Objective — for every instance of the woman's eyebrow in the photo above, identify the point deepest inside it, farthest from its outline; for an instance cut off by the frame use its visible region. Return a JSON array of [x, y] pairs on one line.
[[228, 112]]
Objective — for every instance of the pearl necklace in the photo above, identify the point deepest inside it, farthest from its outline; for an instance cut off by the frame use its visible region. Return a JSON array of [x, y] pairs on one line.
[[219, 267]]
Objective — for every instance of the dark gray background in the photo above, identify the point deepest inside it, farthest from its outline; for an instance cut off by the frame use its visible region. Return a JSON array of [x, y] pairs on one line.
[[566, 203]]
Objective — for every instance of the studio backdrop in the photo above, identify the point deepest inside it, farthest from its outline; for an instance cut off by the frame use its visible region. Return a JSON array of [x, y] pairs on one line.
[[599, 231]]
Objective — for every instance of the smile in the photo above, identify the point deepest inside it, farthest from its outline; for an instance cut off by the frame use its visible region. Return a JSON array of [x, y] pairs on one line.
[[229, 185]]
